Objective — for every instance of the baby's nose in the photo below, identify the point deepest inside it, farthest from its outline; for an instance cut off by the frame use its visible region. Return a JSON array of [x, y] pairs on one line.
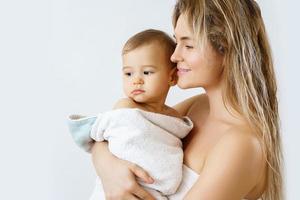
[[138, 80]]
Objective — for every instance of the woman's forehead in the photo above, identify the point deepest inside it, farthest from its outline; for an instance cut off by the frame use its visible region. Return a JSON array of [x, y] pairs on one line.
[[183, 29]]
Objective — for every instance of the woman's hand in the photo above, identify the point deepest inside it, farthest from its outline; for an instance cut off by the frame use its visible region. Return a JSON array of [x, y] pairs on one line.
[[118, 176]]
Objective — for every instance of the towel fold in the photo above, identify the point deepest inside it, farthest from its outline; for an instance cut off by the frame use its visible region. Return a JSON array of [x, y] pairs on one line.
[[80, 128]]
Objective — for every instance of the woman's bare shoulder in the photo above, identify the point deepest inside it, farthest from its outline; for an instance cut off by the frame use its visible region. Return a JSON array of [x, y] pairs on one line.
[[241, 150], [232, 167], [241, 137], [242, 140], [185, 106]]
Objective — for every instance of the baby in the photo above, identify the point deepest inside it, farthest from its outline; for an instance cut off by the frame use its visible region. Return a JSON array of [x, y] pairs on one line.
[[142, 128]]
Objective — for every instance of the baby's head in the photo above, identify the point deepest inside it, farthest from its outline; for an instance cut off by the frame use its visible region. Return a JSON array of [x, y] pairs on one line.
[[148, 71]]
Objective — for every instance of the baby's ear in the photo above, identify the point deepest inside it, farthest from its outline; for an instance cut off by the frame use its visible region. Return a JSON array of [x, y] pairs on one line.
[[173, 77]]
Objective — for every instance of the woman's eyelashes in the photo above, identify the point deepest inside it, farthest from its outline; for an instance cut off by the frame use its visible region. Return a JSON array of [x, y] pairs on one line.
[[189, 47]]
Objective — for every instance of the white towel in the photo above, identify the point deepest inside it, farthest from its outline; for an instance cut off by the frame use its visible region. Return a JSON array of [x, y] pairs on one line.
[[148, 139]]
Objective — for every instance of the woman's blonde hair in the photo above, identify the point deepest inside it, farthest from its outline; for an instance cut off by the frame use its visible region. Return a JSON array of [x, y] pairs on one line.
[[235, 29]]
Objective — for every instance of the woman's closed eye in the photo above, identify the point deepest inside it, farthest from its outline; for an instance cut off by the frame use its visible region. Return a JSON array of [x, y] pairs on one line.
[[189, 47]]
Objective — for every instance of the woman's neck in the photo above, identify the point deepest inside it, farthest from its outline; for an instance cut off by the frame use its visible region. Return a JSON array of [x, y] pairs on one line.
[[217, 108]]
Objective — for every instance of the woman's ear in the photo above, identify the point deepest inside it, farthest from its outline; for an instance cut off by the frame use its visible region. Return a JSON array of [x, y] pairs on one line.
[[173, 77]]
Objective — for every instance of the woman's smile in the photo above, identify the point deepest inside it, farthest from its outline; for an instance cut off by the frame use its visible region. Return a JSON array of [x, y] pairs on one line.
[[182, 71]]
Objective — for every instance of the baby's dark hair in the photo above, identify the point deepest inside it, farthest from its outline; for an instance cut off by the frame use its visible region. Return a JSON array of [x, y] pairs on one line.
[[150, 36]]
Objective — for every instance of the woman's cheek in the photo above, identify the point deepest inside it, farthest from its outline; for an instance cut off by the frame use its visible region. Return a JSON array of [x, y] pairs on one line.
[[195, 60]]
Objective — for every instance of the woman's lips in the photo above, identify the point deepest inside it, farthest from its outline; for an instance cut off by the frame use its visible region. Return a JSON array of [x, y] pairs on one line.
[[182, 71], [135, 92]]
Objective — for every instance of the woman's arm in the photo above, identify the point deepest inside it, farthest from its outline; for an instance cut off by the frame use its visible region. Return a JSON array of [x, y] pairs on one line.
[[118, 176], [231, 170]]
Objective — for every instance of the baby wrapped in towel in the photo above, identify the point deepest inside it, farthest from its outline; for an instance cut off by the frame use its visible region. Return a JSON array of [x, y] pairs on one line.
[[141, 128]]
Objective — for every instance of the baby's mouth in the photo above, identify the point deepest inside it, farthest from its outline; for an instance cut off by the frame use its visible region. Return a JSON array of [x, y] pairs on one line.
[[138, 91]]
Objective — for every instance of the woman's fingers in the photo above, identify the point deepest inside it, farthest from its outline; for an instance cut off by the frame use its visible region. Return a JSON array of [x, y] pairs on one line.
[[142, 193], [132, 192], [136, 189], [131, 197], [141, 174], [124, 197]]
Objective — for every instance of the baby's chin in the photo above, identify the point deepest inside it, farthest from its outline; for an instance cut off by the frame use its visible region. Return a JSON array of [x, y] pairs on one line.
[[138, 99]]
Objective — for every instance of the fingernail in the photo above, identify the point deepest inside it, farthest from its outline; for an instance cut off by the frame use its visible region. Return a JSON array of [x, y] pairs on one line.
[[151, 179]]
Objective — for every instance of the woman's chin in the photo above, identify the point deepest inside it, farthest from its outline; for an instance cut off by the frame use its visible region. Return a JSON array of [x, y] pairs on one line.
[[185, 85]]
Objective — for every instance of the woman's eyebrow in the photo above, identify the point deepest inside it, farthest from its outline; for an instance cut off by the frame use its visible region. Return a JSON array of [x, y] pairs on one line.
[[183, 38]]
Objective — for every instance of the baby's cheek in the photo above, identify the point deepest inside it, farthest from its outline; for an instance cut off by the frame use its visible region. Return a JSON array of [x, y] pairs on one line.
[[126, 90]]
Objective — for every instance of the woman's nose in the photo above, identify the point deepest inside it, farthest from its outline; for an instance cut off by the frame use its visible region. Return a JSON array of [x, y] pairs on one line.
[[175, 57]]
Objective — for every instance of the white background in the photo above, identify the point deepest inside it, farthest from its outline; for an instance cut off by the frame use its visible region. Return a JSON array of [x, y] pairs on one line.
[[63, 56]]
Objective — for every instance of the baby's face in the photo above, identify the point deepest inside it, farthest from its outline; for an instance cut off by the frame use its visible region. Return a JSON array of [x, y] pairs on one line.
[[147, 74]]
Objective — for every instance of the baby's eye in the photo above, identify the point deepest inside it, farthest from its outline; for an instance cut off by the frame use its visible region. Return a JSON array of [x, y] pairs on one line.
[[127, 73], [148, 72]]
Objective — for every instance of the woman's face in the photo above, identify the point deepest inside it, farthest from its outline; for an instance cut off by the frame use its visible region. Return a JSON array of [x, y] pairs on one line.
[[196, 67]]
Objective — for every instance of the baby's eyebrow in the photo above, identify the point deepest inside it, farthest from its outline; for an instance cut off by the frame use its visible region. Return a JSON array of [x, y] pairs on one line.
[[126, 67], [142, 66], [151, 66]]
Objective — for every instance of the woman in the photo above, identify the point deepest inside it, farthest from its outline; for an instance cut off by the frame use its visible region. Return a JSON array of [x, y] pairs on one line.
[[235, 147]]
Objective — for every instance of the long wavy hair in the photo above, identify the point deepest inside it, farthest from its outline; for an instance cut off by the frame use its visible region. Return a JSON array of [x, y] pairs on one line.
[[235, 28]]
